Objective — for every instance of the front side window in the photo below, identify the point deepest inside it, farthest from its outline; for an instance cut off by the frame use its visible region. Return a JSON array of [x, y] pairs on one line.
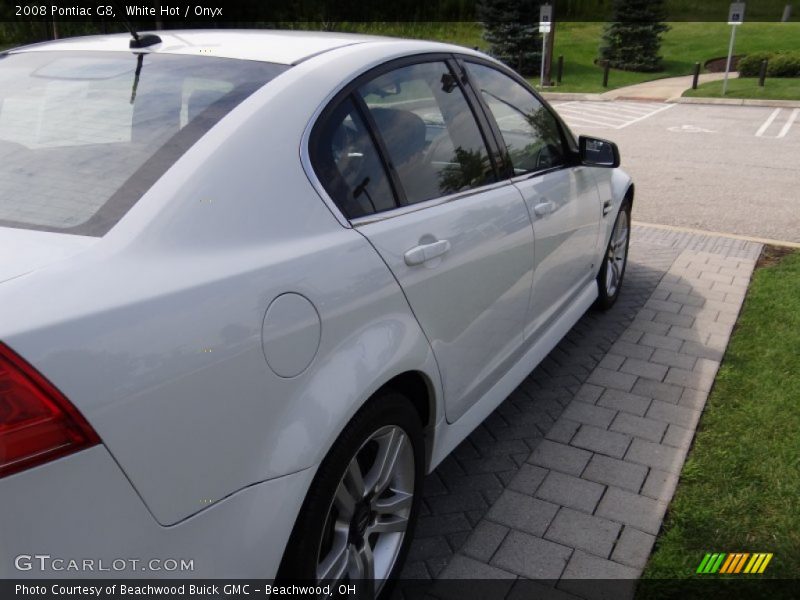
[[530, 132], [83, 135], [430, 134]]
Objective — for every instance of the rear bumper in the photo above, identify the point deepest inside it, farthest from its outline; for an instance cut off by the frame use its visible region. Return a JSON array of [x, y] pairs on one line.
[[85, 518]]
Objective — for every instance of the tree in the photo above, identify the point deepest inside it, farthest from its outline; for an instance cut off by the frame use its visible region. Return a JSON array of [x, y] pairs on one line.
[[632, 39], [512, 29]]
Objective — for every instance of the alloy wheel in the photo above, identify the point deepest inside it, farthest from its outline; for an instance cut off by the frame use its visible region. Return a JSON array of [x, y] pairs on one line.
[[369, 513], [617, 254]]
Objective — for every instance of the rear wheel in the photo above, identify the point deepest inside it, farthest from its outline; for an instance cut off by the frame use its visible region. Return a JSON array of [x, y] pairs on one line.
[[612, 270], [357, 520]]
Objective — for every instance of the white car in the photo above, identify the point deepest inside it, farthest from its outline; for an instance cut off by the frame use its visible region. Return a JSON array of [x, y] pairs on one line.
[[256, 284]]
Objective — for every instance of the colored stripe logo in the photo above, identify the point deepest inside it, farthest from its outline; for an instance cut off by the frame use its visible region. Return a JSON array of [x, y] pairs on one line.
[[734, 563]]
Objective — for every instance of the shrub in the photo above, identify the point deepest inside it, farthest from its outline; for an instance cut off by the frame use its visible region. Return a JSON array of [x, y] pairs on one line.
[[780, 64], [750, 65], [784, 65]]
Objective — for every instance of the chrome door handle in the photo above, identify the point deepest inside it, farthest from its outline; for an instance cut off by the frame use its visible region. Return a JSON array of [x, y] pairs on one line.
[[424, 252], [544, 208]]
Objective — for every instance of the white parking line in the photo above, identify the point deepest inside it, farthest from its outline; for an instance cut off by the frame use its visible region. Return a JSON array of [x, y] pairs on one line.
[[614, 108], [789, 123], [591, 111], [571, 121], [655, 112], [614, 115], [591, 116], [631, 108], [768, 122]]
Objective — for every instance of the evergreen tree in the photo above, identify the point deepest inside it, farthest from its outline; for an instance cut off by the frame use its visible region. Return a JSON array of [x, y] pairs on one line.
[[512, 29], [632, 39]]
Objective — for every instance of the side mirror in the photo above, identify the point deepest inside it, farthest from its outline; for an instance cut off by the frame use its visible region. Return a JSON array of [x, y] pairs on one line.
[[595, 152]]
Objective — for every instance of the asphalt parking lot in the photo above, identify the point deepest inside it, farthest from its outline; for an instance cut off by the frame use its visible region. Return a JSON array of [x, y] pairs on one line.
[[729, 169]]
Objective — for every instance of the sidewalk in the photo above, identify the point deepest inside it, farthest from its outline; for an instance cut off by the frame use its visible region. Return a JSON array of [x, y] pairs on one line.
[[669, 89], [570, 478], [672, 88]]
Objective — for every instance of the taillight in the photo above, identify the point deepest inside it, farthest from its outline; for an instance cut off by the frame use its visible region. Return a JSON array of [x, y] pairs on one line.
[[37, 423]]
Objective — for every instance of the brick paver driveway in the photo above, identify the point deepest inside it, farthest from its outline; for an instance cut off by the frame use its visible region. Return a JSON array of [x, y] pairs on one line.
[[571, 476]]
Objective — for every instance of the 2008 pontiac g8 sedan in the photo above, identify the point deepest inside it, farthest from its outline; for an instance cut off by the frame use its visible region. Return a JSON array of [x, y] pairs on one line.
[[256, 284]]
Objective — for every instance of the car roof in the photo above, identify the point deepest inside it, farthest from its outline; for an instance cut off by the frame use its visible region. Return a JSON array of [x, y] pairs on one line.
[[281, 47]]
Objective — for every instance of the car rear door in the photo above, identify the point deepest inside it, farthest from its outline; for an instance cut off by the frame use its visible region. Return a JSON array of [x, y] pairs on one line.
[[458, 240], [561, 196]]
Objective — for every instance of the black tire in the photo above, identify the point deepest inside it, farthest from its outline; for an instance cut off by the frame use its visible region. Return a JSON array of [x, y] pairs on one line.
[[388, 408], [606, 298]]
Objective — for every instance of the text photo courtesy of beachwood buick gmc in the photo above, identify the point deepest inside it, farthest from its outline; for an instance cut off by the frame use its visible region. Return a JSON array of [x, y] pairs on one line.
[[256, 284]]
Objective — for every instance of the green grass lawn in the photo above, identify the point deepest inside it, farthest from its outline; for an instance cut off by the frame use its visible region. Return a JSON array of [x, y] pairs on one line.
[[747, 87], [684, 44], [740, 488]]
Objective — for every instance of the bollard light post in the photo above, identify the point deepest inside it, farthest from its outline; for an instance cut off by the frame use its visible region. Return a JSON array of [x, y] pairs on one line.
[[762, 73]]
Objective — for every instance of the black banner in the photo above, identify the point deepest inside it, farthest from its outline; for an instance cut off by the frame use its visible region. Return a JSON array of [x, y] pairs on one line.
[[182, 13], [735, 587]]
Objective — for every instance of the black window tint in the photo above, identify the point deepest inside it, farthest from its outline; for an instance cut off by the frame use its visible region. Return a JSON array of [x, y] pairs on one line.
[[348, 164], [529, 130], [429, 131]]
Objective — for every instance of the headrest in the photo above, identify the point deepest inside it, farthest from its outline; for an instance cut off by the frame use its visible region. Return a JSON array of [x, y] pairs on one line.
[[402, 131]]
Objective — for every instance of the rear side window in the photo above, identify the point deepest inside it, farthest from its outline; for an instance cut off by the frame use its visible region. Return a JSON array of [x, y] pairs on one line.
[[83, 135], [348, 164], [530, 132], [429, 131]]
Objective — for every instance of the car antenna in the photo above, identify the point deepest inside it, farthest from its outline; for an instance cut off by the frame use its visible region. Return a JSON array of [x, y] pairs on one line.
[[139, 41], [139, 60]]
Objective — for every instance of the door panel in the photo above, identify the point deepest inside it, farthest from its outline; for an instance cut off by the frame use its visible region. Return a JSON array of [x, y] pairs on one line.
[[561, 198], [465, 258], [471, 299], [565, 239]]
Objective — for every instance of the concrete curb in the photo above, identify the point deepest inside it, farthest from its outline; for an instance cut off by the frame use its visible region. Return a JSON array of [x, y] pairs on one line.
[[735, 236], [619, 94], [573, 96], [737, 102]]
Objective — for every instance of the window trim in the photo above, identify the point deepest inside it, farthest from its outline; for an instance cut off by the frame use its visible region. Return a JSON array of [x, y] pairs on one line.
[[417, 206], [398, 191], [350, 89]]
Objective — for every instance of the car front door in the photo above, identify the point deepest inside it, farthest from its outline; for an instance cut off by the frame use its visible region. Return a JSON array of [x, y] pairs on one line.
[[458, 239], [561, 196]]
